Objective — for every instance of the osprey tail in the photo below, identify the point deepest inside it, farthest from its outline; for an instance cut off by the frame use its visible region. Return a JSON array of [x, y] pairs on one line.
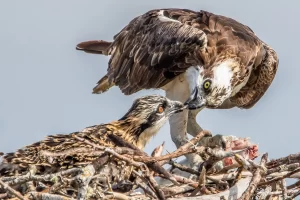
[[103, 85], [97, 47], [94, 46]]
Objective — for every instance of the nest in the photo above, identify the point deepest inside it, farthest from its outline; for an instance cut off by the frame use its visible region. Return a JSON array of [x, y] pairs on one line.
[[230, 170]]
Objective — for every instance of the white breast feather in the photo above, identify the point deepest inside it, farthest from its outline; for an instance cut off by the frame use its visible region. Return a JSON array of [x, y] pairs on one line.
[[145, 137], [223, 75]]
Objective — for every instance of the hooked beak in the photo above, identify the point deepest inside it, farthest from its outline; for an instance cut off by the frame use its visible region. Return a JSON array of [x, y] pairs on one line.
[[176, 107], [195, 101]]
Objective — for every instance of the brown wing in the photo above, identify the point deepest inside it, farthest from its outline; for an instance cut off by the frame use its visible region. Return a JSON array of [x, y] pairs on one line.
[[60, 151], [155, 47], [259, 81]]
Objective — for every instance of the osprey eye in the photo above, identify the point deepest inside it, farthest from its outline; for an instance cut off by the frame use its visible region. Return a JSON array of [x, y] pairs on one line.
[[160, 109], [206, 84]]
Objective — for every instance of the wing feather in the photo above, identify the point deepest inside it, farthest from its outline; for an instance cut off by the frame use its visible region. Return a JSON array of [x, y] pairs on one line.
[[260, 80], [150, 45]]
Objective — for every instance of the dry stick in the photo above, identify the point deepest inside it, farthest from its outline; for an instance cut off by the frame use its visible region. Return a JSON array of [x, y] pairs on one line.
[[133, 151], [184, 149], [292, 158], [183, 168], [295, 195], [152, 183], [279, 178], [47, 196], [175, 190], [281, 168], [126, 159], [255, 180], [83, 181], [201, 182], [11, 190], [283, 188], [47, 177], [145, 188], [116, 196], [158, 191], [3, 196], [297, 184], [157, 167], [153, 162], [182, 179]]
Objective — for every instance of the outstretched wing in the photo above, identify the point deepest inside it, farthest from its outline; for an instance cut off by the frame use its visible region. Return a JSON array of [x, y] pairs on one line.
[[155, 47]]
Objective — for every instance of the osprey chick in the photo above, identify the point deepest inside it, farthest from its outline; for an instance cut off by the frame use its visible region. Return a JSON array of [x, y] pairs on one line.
[[200, 58], [142, 121]]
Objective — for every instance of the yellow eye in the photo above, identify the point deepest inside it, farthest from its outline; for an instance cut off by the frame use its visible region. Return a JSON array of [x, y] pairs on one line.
[[160, 109], [206, 84]]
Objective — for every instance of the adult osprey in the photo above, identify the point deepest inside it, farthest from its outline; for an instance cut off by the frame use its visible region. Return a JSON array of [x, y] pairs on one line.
[[210, 60]]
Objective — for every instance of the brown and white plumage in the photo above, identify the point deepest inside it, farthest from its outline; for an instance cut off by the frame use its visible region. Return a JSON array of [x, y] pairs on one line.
[[183, 51], [137, 126], [161, 44]]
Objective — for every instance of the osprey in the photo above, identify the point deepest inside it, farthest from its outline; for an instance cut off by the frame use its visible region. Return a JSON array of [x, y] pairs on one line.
[[200, 58], [143, 120]]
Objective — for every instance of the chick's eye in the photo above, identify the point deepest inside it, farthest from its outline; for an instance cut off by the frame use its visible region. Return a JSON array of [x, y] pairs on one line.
[[160, 109], [206, 85]]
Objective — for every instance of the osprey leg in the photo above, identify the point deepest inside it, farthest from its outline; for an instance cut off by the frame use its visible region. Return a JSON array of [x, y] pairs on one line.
[[193, 127], [180, 90]]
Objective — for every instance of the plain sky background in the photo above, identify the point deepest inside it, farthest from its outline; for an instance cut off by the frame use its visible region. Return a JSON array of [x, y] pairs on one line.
[[46, 84]]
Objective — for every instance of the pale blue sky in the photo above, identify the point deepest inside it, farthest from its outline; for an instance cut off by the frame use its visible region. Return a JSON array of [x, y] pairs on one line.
[[46, 84]]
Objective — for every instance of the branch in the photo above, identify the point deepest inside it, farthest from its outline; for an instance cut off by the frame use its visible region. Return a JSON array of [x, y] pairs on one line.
[[183, 150], [11, 190], [279, 178], [255, 179]]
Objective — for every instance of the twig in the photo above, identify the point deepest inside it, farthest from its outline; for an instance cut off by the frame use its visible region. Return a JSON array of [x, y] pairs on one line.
[[183, 168], [293, 158], [266, 193], [156, 187], [154, 166], [83, 181], [283, 188], [4, 195], [279, 178], [282, 168], [116, 196], [47, 196], [255, 180], [145, 188], [297, 184], [126, 159], [201, 182], [185, 149], [11, 190], [175, 190], [295, 194], [47, 177]]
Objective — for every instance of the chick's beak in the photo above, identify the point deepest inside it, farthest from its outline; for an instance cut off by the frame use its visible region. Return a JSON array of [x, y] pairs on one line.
[[176, 107], [195, 101]]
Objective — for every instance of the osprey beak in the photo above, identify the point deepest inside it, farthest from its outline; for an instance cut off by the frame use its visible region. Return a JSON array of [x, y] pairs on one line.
[[176, 107], [195, 101]]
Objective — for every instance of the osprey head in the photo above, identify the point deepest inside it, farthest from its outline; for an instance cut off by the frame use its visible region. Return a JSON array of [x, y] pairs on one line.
[[215, 85], [151, 112]]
